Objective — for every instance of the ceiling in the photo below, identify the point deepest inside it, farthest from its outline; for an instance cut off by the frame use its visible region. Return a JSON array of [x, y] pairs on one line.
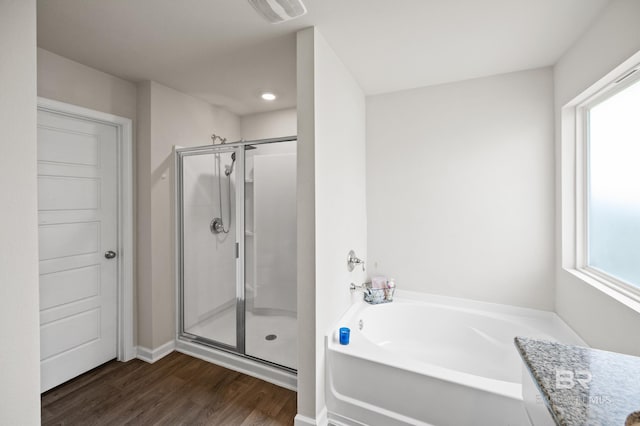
[[223, 52]]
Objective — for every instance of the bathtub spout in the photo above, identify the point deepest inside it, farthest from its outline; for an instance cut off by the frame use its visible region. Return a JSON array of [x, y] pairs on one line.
[[354, 287], [364, 287], [372, 295]]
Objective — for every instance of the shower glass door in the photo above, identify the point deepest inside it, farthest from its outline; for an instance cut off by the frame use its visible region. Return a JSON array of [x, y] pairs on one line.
[[209, 235], [236, 244]]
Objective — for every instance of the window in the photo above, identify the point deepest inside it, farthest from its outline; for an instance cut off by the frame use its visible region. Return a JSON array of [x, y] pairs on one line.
[[609, 182]]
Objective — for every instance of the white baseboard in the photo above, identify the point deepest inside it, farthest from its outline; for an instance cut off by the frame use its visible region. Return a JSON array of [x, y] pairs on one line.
[[301, 420], [320, 420], [338, 420], [153, 355]]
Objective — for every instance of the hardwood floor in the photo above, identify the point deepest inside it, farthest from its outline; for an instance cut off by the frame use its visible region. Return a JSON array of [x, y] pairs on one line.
[[176, 390]]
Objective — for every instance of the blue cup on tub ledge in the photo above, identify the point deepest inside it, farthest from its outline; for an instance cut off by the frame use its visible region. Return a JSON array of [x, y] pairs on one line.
[[345, 333]]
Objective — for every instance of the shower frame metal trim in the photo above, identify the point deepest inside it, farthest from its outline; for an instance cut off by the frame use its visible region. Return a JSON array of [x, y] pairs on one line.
[[181, 334], [181, 153]]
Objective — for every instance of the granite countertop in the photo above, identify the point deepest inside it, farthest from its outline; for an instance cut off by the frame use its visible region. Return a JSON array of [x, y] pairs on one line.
[[583, 386]]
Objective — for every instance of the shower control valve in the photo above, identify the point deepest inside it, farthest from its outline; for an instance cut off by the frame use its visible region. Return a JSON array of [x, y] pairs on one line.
[[216, 226], [353, 260]]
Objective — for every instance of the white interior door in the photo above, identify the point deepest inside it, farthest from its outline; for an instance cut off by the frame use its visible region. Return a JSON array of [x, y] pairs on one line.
[[77, 204]]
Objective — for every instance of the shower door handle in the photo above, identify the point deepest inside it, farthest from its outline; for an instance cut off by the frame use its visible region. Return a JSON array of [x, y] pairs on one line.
[[110, 254]]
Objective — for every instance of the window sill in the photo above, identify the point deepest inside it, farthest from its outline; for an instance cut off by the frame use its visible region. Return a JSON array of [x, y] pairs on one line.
[[609, 288]]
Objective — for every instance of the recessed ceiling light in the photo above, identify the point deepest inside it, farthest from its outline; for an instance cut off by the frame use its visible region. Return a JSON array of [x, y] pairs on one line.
[[268, 96]]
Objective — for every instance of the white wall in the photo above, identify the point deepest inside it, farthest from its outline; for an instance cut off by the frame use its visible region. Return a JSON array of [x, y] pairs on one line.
[[340, 172], [68, 81], [460, 194], [306, 243], [272, 124], [600, 320], [166, 118], [331, 131], [19, 334]]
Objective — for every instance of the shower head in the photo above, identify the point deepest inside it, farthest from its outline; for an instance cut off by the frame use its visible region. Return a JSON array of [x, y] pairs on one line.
[[229, 169]]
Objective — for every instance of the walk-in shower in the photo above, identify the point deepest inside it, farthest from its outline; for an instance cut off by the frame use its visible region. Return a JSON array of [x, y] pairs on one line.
[[236, 246]]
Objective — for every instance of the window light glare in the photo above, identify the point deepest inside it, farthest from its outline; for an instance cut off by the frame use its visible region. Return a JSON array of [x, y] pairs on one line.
[[268, 96]]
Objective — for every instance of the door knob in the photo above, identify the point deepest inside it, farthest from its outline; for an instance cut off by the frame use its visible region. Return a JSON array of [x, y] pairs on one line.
[[110, 254]]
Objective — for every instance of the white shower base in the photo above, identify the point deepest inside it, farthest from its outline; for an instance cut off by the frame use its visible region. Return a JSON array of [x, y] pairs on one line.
[[282, 351]]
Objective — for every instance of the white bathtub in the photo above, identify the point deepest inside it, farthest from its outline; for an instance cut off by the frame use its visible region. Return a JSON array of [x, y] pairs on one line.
[[426, 359]]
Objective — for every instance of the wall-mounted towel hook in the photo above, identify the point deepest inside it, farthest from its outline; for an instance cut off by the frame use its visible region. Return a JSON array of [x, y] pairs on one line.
[[353, 260]]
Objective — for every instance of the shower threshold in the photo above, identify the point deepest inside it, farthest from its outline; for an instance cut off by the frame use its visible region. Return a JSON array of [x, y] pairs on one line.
[[206, 350]]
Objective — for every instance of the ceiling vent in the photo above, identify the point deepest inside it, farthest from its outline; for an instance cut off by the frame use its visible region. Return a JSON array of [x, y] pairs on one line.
[[276, 11]]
